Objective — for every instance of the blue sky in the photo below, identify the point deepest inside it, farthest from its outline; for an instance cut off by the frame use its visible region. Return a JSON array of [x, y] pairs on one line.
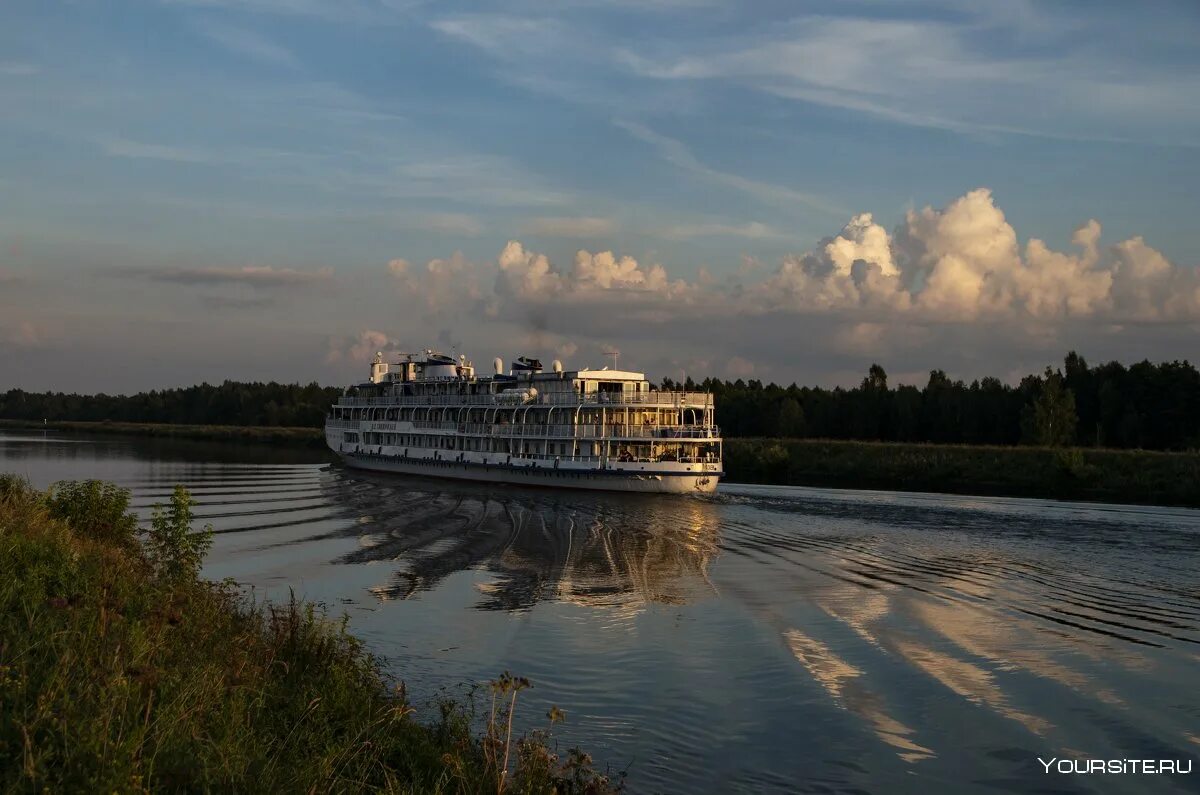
[[221, 188]]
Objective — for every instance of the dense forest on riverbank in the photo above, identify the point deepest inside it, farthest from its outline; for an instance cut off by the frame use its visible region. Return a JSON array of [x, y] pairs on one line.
[[230, 403], [121, 670], [1145, 405]]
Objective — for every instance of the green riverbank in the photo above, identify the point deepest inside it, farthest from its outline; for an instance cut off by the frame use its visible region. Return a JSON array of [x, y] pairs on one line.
[[122, 671], [1126, 476]]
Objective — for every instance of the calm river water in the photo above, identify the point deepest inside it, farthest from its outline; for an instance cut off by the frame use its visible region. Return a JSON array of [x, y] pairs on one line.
[[764, 639]]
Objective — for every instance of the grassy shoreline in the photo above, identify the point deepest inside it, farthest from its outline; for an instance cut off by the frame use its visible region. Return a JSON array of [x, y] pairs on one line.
[[122, 671], [1101, 475], [1114, 476]]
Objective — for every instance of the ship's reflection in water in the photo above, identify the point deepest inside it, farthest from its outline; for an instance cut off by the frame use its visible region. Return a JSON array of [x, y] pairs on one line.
[[762, 639], [608, 551]]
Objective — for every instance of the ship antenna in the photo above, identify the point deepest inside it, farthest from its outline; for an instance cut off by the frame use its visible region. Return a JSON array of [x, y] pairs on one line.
[[615, 354]]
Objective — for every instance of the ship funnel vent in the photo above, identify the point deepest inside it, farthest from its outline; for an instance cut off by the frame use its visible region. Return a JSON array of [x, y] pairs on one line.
[[527, 364], [498, 364], [557, 366]]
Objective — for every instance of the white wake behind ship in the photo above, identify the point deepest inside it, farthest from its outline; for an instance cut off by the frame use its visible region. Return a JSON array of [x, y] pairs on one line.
[[429, 414]]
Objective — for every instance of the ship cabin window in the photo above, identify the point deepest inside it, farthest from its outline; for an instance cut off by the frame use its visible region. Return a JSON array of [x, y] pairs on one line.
[[349, 437]]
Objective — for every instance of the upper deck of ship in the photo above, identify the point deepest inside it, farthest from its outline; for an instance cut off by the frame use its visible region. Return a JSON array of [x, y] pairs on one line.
[[441, 380]]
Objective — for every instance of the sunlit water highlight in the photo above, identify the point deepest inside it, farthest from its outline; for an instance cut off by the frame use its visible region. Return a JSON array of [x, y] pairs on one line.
[[765, 639]]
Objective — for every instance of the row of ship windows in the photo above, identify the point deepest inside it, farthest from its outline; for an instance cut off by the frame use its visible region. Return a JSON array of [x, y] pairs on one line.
[[518, 415], [454, 443]]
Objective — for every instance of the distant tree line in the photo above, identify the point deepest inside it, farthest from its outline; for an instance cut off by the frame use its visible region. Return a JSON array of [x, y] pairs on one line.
[[1148, 406], [230, 403]]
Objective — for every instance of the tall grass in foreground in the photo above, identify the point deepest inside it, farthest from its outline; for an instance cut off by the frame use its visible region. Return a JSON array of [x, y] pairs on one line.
[[122, 671]]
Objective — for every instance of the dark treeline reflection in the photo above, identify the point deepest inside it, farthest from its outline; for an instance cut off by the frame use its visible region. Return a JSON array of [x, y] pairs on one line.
[[592, 549]]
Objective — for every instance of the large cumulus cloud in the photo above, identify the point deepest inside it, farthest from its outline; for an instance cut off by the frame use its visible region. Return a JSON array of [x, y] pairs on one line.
[[527, 276], [965, 262], [942, 276]]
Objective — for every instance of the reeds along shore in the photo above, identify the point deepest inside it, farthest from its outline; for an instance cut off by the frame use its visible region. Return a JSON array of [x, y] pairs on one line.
[[121, 670]]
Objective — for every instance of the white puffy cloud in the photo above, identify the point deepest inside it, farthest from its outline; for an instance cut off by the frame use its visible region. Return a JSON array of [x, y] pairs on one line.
[[852, 269], [1142, 280], [439, 285], [359, 348], [966, 254], [1053, 284], [959, 264], [604, 271], [964, 263], [861, 239], [954, 278], [969, 260], [526, 274]]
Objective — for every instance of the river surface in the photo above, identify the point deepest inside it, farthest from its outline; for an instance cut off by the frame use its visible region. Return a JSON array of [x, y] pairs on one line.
[[765, 639]]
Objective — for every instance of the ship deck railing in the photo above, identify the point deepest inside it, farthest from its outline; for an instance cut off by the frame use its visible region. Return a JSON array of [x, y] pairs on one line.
[[660, 398], [612, 459], [499, 458], [563, 431]]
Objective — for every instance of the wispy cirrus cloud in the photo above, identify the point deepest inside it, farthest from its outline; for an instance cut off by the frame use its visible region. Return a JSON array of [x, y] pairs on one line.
[[466, 177], [503, 35], [948, 73], [752, 230], [247, 43], [357, 11], [237, 302], [120, 147], [678, 154], [572, 227], [476, 178], [18, 69], [455, 224]]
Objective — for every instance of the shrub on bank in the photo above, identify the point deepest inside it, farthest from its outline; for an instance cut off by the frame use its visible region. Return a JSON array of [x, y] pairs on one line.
[[122, 671], [94, 509]]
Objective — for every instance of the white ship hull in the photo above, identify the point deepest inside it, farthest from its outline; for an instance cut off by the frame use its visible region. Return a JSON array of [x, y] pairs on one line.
[[646, 481], [604, 429]]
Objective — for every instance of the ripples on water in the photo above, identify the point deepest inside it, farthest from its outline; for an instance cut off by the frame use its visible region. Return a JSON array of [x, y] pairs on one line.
[[764, 639]]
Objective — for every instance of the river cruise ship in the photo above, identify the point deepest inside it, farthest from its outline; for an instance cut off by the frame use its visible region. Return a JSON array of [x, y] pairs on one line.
[[429, 414]]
